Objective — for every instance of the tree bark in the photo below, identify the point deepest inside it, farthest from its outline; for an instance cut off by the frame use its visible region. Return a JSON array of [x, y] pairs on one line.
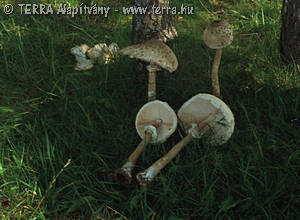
[[151, 25], [290, 31]]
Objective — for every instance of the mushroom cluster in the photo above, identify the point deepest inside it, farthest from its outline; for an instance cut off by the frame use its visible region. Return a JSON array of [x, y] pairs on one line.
[[203, 116], [156, 120]]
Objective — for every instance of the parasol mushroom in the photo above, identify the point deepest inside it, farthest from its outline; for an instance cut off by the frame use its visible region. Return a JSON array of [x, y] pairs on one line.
[[155, 122], [158, 54], [217, 34], [203, 116]]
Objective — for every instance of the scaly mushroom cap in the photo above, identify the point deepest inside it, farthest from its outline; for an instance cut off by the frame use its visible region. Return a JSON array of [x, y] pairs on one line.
[[218, 34], [198, 107], [155, 111], [153, 51]]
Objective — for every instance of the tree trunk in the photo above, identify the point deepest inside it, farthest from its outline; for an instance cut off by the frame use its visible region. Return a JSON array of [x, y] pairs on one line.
[[290, 31], [149, 25]]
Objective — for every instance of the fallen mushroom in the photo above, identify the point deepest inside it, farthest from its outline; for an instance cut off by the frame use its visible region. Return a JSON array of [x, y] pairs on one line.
[[103, 53], [83, 63], [155, 122], [203, 116], [217, 34], [158, 54], [97, 52], [113, 51]]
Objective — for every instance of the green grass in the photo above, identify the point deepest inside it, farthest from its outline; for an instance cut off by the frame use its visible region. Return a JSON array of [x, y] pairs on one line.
[[63, 132]]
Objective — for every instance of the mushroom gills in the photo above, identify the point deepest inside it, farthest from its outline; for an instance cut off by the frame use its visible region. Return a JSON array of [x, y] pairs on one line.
[[155, 122], [199, 117]]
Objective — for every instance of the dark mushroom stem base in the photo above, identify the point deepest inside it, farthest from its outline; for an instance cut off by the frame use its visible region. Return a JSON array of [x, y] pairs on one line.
[[214, 73], [146, 177], [152, 69], [123, 175]]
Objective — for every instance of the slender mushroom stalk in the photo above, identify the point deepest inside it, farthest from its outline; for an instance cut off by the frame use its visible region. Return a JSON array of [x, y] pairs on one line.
[[200, 117], [152, 69], [155, 122], [217, 34], [158, 54], [146, 177], [214, 73], [123, 174]]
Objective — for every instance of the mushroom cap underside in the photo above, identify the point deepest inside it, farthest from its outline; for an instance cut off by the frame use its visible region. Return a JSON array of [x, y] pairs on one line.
[[153, 51], [150, 113], [198, 107]]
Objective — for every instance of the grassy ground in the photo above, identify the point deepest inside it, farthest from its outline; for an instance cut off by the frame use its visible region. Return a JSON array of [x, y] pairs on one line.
[[63, 132]]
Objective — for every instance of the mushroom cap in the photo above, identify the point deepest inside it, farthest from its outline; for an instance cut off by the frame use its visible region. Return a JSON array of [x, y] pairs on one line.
[[150, 113], [153, 51], [198, 107], [218, 34]]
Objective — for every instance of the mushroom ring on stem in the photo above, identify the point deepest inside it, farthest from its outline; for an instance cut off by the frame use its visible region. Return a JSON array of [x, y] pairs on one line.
[[158, 54], [155, 122], [217, 34], [203, 116]]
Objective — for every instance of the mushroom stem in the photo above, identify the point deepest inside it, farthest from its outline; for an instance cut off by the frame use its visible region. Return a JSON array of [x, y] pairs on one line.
[[123, 175], [152, 69], [146, 177], [214, 72]]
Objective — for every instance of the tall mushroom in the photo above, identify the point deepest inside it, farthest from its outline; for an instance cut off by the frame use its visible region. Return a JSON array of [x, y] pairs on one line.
[[203, 116], [217, 34], [155, 122], [158, 54]]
